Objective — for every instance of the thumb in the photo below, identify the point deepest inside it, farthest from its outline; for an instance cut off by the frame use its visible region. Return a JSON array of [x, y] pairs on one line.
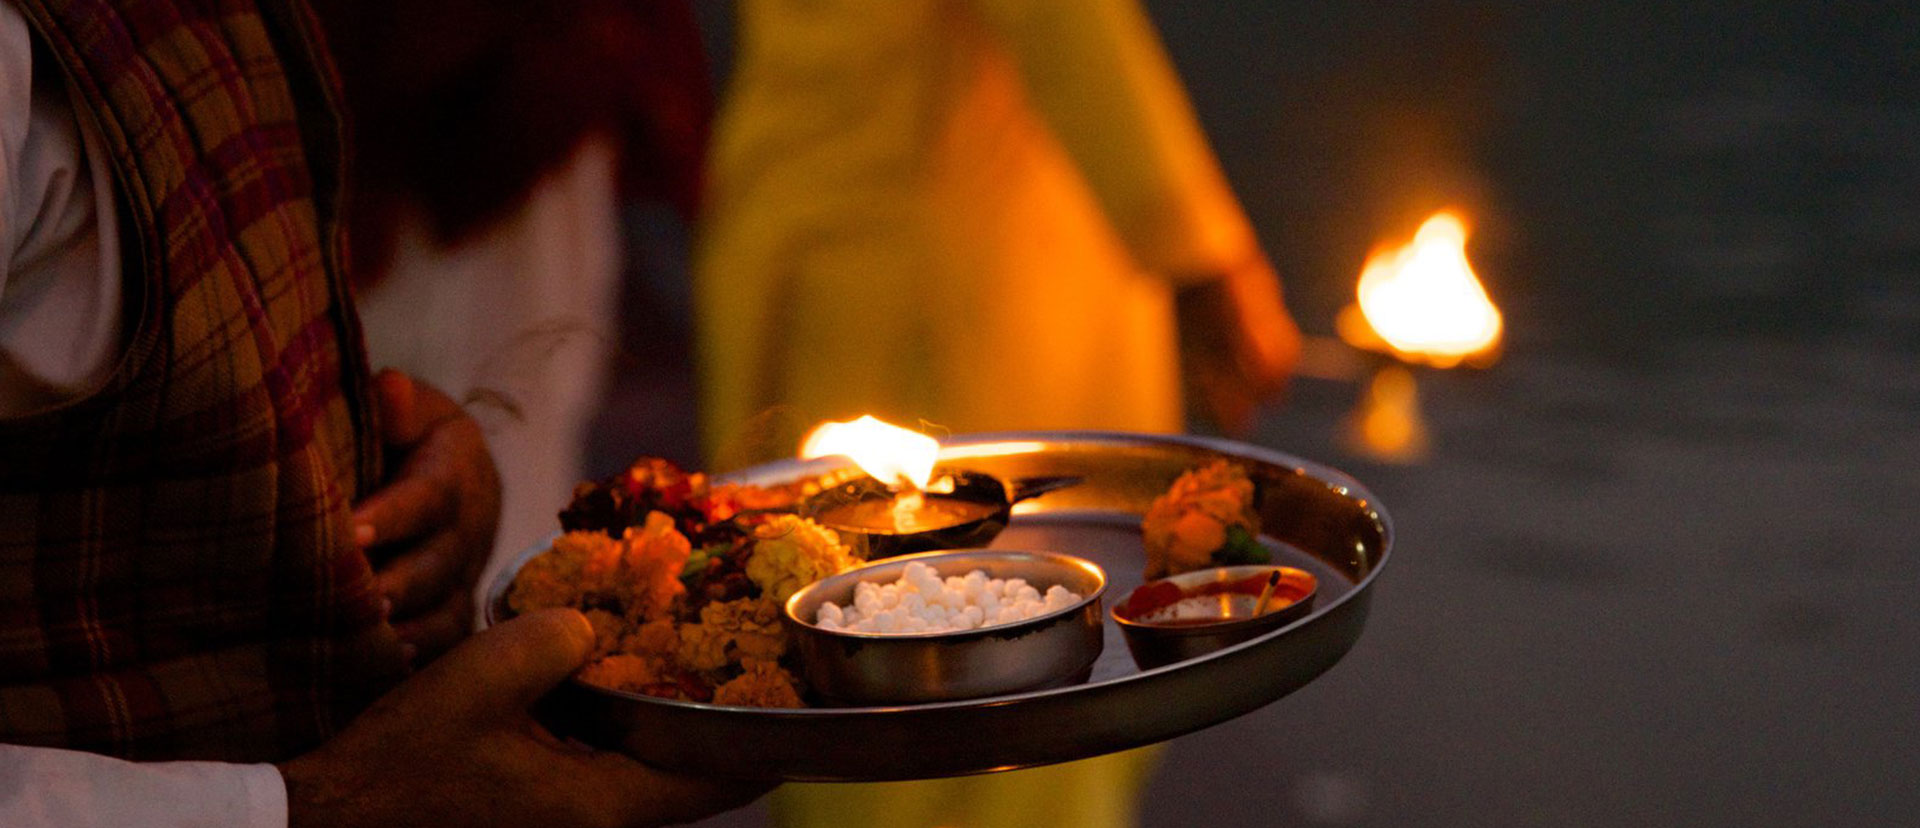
[[503, 670]]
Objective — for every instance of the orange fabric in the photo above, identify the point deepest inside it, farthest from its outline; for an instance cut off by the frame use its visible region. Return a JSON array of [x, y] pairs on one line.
[[970, 213]]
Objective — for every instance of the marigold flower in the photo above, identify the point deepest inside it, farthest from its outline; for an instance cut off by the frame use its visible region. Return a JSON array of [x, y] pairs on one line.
[[607, 630], [659, 637], [1186, 525], [626, 672], [762, 684], [654, 555], [730, 631], [790, 552], [578, 563], [704, 646]]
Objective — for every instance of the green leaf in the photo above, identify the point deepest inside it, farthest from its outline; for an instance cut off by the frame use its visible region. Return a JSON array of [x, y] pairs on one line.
[[1241, 548], [697, 563]]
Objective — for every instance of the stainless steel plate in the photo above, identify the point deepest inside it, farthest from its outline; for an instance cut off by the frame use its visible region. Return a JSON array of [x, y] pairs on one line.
[[1312, 517]]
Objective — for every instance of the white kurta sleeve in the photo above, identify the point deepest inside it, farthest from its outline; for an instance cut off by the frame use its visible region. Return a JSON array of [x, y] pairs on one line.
[[52, 788], [60, 265]]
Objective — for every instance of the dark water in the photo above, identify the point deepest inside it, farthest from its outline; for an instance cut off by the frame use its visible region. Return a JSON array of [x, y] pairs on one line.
[[1657, 566]]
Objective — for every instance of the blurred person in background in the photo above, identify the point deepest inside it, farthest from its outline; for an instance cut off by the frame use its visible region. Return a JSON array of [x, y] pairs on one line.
[[496, 144], [194, 456], [981, 215]]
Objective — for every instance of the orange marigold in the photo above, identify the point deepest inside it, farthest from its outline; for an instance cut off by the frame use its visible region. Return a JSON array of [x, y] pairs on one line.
[[654, 556], [607, 630], [659, 637], [1185, 525], [626, 672], [578, 563]]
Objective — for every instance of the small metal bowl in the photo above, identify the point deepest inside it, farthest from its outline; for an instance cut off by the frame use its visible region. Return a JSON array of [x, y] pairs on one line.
[[1155, 644], [1049, 650]]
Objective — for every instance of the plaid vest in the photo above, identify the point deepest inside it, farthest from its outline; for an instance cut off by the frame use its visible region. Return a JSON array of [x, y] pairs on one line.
[[177, 576]]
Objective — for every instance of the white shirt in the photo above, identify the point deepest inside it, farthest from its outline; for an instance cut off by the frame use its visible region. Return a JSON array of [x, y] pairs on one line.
[[60, 321], [69, 789], [60, 278]]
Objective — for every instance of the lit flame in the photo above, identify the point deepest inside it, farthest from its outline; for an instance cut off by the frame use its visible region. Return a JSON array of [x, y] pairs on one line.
[[1423, 300], [896, 456]]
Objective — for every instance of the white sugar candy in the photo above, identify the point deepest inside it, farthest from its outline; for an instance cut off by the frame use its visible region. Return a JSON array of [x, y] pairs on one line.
[[922, 601]]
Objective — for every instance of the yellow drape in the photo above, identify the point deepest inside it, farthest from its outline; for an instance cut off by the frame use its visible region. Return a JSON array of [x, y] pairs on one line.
[[969, 213]]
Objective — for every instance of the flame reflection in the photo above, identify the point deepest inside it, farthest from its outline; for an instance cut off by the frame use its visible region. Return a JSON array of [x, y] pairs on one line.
[[1387, 425]]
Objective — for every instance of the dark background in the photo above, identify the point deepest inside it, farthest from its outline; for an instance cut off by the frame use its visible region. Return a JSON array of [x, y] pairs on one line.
[[1655, 568]]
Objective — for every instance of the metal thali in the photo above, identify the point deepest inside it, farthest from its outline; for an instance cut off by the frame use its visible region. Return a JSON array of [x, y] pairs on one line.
[[1312, 517]]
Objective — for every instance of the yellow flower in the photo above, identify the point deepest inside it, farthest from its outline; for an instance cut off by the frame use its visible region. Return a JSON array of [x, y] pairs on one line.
[[790, 552], [755, 625], [730, 631], [703, 647], [763, 684]]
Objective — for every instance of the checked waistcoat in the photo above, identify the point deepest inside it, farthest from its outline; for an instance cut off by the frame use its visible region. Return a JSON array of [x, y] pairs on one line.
[[177, 575]]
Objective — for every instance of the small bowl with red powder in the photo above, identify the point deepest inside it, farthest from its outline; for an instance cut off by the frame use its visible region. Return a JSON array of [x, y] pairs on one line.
[[1195, 613]]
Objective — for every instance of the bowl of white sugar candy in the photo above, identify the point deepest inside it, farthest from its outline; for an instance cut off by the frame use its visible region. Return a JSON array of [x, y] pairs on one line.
[[949, 625]]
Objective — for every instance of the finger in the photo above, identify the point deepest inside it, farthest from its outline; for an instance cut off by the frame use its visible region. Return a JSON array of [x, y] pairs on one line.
[[435, 632], [1271, 339], [409, 408], [421, 577], [395, 399], [1271, 356], [1227, 403], [504, 669], [412, 506], [648, 796]]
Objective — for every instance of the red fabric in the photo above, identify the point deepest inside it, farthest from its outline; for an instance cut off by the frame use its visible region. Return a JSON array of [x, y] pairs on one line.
[[177, 577], [460, 105]]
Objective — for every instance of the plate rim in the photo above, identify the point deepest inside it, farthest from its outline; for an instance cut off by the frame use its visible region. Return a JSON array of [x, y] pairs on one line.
[[1341, 482]]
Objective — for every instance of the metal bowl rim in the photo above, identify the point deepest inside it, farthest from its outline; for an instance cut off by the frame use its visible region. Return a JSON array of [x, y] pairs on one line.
[[994, 631], [1215, 627]]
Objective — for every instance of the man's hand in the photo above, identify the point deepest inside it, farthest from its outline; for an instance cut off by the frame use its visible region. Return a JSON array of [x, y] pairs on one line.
[[455, 746], [1238, 345], [429, 529]]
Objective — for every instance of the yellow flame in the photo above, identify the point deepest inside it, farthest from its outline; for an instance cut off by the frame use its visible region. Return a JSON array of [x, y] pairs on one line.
[[1423, 300], [893, 455]]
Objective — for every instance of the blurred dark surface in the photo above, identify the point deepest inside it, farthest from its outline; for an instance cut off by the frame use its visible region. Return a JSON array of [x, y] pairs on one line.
[[1653, 570]]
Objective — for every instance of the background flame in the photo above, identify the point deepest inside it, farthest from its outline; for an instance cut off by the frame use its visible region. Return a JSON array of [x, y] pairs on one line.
[[893, 455], [1423, 299]]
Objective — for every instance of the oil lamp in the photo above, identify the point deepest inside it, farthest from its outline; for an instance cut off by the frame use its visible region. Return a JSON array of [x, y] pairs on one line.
[[904, 504], [1418, 304]]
